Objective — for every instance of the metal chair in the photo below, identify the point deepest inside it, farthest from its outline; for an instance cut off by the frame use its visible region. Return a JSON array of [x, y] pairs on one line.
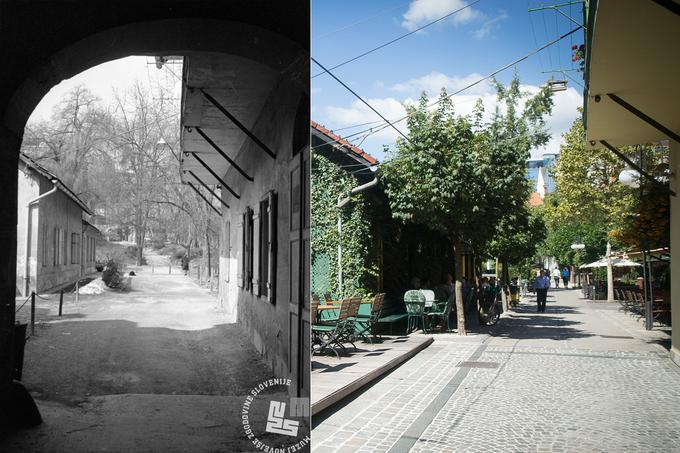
[[367, 323], [441, 310], [414, 300]]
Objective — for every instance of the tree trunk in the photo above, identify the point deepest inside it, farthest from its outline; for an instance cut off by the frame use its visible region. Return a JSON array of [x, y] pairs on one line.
[[139, 236], [504, 285], [207, 246], [460, 306]]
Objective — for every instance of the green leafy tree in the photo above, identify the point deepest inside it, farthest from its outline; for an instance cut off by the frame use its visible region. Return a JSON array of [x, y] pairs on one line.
[[589, 203], [459, 176], [512, 133]]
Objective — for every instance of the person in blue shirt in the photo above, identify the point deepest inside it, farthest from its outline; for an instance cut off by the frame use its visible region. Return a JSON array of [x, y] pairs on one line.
[[565, 276], [542, 284]]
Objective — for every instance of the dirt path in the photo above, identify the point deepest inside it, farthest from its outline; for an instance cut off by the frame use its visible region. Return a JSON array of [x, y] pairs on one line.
[[156, 364]]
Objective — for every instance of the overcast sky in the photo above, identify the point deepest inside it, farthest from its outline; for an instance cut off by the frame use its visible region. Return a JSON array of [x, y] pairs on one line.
[[453, 53], [102, 80]]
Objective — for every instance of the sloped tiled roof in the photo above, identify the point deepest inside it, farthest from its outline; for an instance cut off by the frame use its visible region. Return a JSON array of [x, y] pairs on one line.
[[51, 177], [344, 143], [535, 199]]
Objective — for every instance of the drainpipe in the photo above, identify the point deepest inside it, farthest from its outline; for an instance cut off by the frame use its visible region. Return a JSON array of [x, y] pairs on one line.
[[342, 202], [27, 249]]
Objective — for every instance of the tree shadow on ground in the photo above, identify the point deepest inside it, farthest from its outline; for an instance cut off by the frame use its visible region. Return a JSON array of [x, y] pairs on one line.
[[527, 323], [72, 360]]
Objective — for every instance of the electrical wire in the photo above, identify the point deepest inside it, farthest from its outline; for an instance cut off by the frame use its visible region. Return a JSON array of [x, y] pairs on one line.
[[545, 27], [533, 33], [360, 98], [396, 39], [359, 22], [374, 130]]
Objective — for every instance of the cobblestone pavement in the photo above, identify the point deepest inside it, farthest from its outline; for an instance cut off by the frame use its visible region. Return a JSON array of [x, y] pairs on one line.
[[581, 377]]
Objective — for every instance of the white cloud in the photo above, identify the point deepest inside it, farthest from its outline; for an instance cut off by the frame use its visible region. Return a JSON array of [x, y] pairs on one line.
[[359, 113], [489, 25], [433, 82], [563, 115], [421, 12]]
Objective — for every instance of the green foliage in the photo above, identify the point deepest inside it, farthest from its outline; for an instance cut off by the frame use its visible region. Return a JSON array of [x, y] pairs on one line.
[[466, 178], [328, 183], [511, 135], [518, 234], [560, 236], [587, 185], [592, 204], [110, 275]]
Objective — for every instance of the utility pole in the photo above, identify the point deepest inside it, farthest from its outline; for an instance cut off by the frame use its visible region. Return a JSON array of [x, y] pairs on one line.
[[610, 274]]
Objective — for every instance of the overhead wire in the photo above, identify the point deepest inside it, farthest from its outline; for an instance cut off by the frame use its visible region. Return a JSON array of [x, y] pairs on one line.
[[361, 21], [545, 27], [391, 123], [396, 39], [360, 98]]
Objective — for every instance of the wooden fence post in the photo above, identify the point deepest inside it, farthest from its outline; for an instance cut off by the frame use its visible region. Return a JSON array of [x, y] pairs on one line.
[[32, 313]]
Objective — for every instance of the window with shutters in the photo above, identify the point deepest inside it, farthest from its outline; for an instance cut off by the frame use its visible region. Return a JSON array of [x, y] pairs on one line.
[[45, 249], [56, 247], [64, 247], [240, 247], [255, 252], [249, 249], [246, 266], [267, 246], [75, 248]]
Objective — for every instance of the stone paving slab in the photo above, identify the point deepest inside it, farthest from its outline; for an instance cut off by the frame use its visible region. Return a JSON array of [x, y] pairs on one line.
[[333, 379], [576, 378]]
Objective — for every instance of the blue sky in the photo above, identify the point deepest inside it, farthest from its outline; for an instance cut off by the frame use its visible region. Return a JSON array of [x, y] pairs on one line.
[[461, 49]]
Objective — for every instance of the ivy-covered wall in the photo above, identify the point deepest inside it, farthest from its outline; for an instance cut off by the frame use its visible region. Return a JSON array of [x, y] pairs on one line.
[[359, 265]]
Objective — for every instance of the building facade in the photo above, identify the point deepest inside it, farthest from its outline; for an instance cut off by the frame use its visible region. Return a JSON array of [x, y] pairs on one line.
[[55, 242]]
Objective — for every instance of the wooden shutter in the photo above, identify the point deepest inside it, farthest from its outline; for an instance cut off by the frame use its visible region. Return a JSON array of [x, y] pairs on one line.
[[271, 249], [255, 254], [240, 253]]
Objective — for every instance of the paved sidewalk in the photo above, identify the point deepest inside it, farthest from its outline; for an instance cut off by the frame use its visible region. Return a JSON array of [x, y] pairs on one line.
[[580, 377]]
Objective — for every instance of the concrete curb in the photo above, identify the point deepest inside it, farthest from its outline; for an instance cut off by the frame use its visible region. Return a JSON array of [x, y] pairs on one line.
[[366, 379]]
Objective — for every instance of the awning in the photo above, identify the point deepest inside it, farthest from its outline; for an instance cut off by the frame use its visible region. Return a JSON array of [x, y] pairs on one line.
[[632, 55], [616, 262], [222, 98]]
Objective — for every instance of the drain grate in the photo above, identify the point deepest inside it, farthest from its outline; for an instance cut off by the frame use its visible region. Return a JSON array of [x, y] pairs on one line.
[[472, 364]]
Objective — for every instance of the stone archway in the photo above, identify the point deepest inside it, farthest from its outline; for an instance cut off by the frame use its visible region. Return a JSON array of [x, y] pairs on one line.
[[141, 36]]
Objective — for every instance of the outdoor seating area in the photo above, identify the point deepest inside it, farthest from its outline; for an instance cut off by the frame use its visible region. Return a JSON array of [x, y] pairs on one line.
[[338, 324], [632, 300]]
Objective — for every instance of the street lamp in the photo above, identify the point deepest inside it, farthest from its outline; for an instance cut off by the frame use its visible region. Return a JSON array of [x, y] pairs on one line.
[[630, 178], [577, 244]]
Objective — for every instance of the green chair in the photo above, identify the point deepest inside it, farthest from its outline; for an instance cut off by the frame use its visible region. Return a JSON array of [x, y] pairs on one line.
[[366, 323], [441, 310], [414, 301]]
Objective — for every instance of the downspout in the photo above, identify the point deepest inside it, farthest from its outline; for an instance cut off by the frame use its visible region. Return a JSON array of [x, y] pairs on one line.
[[342, 202], [27, 249]]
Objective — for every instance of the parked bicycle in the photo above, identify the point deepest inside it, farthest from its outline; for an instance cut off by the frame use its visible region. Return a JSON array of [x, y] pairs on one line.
[[492, 309]]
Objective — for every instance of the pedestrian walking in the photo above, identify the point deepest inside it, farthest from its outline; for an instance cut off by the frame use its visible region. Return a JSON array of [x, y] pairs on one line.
[[556, 275], [541, 285], [565, 276], [185, 263]]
